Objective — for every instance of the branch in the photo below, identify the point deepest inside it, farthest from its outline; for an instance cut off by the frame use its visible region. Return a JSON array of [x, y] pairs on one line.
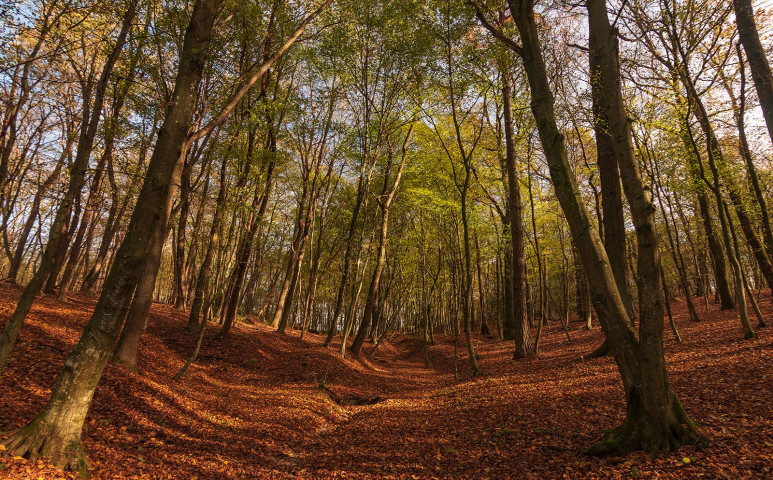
[[578, 47], [221, 117], [509, 43]]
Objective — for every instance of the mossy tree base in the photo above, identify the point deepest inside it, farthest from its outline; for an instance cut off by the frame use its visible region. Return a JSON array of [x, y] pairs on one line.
[[641, 433], [635, 436], [42, 440]]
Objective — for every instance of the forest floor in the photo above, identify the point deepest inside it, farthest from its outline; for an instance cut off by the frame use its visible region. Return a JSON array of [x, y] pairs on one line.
[[265, 405]]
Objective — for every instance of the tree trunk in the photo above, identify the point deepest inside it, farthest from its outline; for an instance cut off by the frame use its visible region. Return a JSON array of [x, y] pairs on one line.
[[751, 170], [56, 432], [655, 420], [117, 209], [125, 353], [77, 180], [294, 260], [362, 187], [484, 328], [245, 249], [202, 284], [180, 271], [715, 157], [758, 61], [521, 333], [385, 203]]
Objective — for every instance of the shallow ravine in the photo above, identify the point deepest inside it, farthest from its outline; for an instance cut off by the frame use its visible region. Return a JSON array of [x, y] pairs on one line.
[[264, 405]]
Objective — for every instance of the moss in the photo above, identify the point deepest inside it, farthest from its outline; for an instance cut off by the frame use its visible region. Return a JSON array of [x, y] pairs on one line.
[[76, 458]]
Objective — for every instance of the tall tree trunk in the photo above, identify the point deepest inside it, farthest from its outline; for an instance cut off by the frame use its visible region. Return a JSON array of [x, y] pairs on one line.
[[117, 209], [56, 432], [294, 259], [655, 419], [285, 308], [311, 291], [521, 333], [613, 221], [385, 203], [756, 246], [611, 194], [715, 157], [202, 284], [362, 187], [353, 298], [715, 250], [125, 353], [179, 253], [758, 61], [259, 204], [537, 253], [467, 285], [584, 312], [751, 170], [484, 328], [673, 238], [77, 180]]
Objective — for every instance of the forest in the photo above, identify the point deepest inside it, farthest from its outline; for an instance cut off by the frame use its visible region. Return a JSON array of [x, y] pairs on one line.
[[375, 239]]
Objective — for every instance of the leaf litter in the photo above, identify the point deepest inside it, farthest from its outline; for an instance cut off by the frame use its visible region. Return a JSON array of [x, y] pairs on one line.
[[265, 405]]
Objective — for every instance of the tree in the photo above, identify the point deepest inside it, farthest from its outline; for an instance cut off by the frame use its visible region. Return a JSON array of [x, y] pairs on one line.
[[655, 419], [58, 238], [56, 432], [758, 61], [384, 202]]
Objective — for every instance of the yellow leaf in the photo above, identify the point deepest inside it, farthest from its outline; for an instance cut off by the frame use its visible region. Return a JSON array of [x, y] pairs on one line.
[[2, 447], [686, 460]]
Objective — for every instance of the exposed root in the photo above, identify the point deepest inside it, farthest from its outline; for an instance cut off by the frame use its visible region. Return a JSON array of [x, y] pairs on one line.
[[601, 351], [639, 435], [39, 440]]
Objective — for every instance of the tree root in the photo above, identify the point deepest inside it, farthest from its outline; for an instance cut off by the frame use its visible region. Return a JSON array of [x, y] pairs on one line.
[[40, 440], [601, 351], [639, 435]]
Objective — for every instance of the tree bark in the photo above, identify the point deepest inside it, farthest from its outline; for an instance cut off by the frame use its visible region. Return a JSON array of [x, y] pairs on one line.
[[180, 272], [758, 61], [521, 333], [655, 419], [125, 353], [258, 209], [202, 284], [385, 203], [56, 432], [77, 180]]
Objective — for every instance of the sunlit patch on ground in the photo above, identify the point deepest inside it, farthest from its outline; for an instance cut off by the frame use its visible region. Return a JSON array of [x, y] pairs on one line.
[[263, 405]]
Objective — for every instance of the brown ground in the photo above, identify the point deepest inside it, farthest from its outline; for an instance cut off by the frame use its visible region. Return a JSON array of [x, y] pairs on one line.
[[252, 407]]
